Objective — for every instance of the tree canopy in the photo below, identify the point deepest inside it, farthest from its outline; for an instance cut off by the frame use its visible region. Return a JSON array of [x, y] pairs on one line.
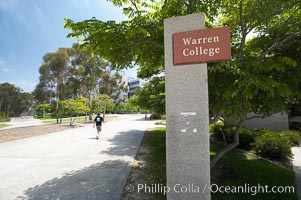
[[151, 96], [15, 102], [74, 107], [139, 40], [71, 73]]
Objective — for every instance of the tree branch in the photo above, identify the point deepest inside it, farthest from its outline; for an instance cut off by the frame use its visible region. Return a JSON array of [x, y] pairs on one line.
[[229, 147], [279, 44], [216, 117], [135, 5], [253, 117], [243, 32]]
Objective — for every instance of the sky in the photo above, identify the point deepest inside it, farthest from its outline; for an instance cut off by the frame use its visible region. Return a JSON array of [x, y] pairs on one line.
[[31, 28]]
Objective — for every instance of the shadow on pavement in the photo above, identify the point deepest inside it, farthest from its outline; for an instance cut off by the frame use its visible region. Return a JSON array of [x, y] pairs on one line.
[[99, 181], [142, 119], [125, 143], [93, 138]]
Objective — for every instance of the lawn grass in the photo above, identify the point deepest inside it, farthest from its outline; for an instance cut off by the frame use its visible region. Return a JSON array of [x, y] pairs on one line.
[[3, 125], [64, 120], [155, 142], [236, 168], [245, 169], [48, 120]]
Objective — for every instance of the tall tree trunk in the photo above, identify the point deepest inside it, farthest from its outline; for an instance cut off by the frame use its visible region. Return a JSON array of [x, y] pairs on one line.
[[7, 110], [71, 119], [57, 112], [89, 106], [57, 104], [227, 148], [1, 103], [104, 111], [243, 32]]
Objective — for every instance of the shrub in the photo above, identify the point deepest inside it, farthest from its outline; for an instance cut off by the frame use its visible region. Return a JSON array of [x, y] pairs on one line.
[[3, 118], [246, 136], [293, 136], [229, 132], [216, 130], [272, 145]]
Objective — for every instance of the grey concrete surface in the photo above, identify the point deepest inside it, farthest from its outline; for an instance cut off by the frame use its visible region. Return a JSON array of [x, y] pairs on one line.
[[297, 168], [72, 164], [16, 122]]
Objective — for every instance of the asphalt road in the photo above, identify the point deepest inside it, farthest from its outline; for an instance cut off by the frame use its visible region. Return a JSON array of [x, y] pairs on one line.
[[72, 164]]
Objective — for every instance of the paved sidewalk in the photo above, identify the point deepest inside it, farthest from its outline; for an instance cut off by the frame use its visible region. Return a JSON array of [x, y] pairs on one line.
[[297, 168], [72, 164], [22, 122]]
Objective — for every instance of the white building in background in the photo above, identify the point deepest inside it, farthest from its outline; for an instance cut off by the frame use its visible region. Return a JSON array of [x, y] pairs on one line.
[[276, 122], [133, 85], [123, 95]]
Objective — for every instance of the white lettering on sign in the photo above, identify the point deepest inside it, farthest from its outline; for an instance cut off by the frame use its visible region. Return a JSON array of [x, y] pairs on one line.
[[188, 113], [198, 51], [188, 41], [189, 126], [201, 46]]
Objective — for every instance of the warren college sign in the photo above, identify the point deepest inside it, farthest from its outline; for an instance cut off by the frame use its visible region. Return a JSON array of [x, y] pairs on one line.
[[201, 46]]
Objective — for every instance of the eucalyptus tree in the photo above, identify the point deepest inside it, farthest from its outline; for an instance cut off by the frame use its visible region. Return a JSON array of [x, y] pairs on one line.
[[89, 75], [43, 93], [112, 83], [52, 76], [13, 101], [84, 74], [7, 94]]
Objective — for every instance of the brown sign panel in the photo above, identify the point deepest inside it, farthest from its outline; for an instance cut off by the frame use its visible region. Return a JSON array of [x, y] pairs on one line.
[[201, 46]]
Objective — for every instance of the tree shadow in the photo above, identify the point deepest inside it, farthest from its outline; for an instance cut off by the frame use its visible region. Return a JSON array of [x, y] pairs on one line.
[[103, 181], [93, 138], [142, 119], [125, 143]]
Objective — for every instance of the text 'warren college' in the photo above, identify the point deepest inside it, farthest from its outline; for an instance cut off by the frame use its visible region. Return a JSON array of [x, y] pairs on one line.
[[202, 45], [199, 50]]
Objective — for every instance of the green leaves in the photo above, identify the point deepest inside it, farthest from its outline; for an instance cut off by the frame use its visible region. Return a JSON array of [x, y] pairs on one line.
[[13, 101], [100, 102], [151, 96], [75, 107], [138, 41], [263, 76]]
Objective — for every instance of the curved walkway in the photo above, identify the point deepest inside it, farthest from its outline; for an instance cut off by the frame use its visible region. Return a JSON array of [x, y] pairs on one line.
[[72, 164], [22, 122]]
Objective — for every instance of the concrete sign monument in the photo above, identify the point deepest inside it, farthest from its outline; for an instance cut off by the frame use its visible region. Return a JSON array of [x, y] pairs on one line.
[[187, 137]]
